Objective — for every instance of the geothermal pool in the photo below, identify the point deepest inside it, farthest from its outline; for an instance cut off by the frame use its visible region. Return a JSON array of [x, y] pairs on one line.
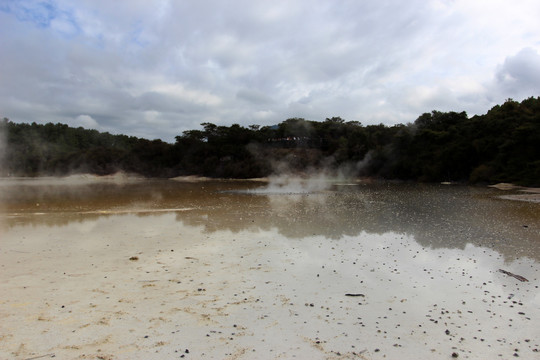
[[146, 269]]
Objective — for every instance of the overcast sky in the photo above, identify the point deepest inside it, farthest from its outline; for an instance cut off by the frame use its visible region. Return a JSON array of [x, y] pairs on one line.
[[156, 68]]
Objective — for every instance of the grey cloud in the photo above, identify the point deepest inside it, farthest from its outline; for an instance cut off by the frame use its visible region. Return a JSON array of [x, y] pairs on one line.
[[521, 73], [254, 96], [158, 102]]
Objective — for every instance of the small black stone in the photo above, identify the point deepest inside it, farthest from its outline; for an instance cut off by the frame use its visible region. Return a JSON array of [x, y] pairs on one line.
[[455, 355]]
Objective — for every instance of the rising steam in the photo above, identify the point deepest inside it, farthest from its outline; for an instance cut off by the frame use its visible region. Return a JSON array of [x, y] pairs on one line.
[[291, 184], [286, 179]]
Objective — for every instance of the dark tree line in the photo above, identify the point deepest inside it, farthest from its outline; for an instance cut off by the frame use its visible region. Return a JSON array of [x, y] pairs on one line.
[[500, 146]]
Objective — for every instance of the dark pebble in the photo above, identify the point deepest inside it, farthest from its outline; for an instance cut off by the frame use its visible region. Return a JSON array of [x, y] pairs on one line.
[[455, 355]]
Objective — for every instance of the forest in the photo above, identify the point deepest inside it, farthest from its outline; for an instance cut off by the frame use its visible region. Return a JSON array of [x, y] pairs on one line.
[[502, 145]]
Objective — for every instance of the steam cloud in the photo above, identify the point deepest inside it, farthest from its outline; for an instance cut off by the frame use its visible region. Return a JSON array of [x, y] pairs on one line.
[[285, 180], [291, 184]]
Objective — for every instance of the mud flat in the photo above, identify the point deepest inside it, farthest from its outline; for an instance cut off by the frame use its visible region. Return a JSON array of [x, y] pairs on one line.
[[194, 283]]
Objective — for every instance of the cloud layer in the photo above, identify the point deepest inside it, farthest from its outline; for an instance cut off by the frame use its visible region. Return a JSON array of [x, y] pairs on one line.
[[154, 69]]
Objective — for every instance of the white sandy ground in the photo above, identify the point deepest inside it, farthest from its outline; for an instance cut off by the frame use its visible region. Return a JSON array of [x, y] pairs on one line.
[[527, 193], [72, 292], [79, 179]]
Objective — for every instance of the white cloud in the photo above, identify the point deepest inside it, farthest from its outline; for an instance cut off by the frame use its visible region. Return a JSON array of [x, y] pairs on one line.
[[86, 121], [128, 65]]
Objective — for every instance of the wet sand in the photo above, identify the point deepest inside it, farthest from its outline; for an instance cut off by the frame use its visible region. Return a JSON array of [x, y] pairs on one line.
[[243, 276], [519, 193]]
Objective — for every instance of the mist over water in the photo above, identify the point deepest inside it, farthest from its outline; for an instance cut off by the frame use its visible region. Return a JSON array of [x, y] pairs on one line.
[[292, 184], [288, 180]]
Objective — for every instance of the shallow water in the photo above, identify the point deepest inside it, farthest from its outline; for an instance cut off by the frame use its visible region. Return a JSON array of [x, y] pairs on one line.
[[437, 216], [228, 270]]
